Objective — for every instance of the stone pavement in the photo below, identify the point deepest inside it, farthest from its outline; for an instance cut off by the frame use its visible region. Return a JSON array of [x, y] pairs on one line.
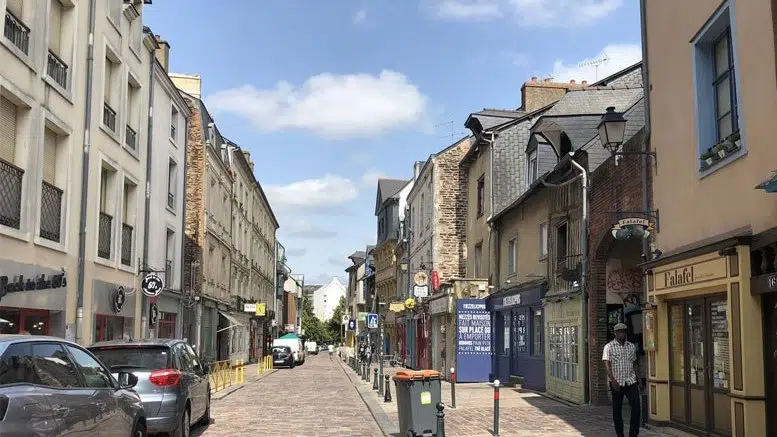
[[315, 399], [522, 413]]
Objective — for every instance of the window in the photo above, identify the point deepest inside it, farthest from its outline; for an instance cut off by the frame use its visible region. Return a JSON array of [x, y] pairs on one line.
[[561, 243], [185, 363], [60, 46], [481, 194], [53, 368], [174, 124], [94, 373], [51, 194], [10, 174], [538, 331], [543, 240], [166, 325], [563, 352], [111, 90], [15, 30], [128, 219], [107, 206], [478, 260], [512, 256], [133, 114], [715, 80], [172, 183], [136, 35], [531, 173], [503, 332], [169, 258]]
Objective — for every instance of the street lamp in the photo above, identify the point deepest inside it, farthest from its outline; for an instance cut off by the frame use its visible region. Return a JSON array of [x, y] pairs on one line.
[[612, 129]]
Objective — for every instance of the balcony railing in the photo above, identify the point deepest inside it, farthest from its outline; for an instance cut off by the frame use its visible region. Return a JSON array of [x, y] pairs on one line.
[[568, 271], [51, 212], [10, 194], [126, 244], [171, 200], [104, 233], [56, 68], [17, 32], [131, 138], [168, 273], [109, 117]]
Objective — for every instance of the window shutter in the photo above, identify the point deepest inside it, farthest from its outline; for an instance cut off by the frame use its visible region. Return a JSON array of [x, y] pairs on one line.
[[8, 112], [49, 156], [55, 27]]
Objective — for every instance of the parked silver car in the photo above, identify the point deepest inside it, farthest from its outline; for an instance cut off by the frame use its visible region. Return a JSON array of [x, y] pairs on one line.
[[172, 382], [52, 387]]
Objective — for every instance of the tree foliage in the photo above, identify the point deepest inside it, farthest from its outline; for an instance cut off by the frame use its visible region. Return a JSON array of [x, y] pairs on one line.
[[315, 330], [335, 324]]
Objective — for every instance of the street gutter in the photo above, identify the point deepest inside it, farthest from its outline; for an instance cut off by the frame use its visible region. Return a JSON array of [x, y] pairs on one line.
[[386, 425]]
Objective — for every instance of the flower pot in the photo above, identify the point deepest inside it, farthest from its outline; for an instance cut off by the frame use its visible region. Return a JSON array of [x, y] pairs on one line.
[[722, 153], [708, 160]]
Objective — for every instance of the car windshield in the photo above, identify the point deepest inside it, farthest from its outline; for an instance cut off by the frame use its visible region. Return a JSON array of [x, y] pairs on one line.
[[137, 357], [281, 350]]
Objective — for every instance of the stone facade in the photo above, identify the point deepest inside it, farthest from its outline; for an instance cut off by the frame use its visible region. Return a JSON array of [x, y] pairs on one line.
[[194, 222]]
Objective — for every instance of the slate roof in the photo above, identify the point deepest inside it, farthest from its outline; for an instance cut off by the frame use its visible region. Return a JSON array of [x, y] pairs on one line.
[[387, 189], [635, 121], [489, 118]]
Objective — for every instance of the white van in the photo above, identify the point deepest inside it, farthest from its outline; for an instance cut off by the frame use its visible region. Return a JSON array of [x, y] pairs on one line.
[[311, 347], [295, 344]]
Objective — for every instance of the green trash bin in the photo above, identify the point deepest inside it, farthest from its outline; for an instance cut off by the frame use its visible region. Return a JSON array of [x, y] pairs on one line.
[[417, 394]]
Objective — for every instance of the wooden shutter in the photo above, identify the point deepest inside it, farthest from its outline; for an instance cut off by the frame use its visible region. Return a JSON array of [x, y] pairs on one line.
[[8, 115], [55, 27], [50, 156]]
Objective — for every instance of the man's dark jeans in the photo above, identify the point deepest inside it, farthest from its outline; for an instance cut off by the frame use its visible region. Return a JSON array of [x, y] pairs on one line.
[[632, 394]]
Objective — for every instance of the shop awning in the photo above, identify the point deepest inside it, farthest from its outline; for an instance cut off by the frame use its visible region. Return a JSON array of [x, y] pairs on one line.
[[233, 322]]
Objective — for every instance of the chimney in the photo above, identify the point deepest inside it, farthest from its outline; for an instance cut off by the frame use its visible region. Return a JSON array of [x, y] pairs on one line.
[[572, 81], [188, 83], [534, 79], [163, 54], [417, 169], [546, 80], [247, 156], [585, 82]]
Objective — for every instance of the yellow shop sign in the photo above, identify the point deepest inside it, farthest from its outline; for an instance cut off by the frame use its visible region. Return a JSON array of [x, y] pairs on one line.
[[691, 274]]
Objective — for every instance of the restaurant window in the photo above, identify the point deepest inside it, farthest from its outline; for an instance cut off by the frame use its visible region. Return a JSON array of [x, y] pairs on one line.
[[563, 352], [108, 328], [166, 325]]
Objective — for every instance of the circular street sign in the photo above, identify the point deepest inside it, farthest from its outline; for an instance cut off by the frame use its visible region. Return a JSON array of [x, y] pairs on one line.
[[152, 285], [421, 278], [346, 319]]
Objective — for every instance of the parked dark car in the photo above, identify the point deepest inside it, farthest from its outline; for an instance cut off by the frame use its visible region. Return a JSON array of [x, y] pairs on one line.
[[172, 382], [282, 356], [52, 387]]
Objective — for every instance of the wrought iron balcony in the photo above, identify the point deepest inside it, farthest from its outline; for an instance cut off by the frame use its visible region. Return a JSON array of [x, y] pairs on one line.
[[126, 244], [109, 117], [171, 200], [17, 32], [131, 138], [104, 235], [56, 68], [10, 194], [568, 272], [51, 212]]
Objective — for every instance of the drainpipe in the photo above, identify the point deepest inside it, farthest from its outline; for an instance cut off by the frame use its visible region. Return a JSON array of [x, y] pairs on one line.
[[584, 275], [491, 231], [147, 213], [646, 138], [85, 177]]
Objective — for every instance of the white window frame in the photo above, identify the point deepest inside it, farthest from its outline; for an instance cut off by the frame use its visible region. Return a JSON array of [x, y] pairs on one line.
[[125, 176], [113, 199], [543, 240], [512, 256], [24, 126], [532, 168]]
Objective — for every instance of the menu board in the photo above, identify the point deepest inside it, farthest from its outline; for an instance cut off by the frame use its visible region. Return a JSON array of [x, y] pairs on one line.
[[473, 340], [521, 332]]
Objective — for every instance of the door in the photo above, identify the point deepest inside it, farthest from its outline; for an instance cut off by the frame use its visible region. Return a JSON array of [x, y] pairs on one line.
[[770, 361], [700, 366]]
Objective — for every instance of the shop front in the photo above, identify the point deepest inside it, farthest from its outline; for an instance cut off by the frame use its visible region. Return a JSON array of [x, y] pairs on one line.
[[764, 284], [565, 359], [169, 320], [517, 317], [114, 308], [32, 299], [440, 313], [701, 321]]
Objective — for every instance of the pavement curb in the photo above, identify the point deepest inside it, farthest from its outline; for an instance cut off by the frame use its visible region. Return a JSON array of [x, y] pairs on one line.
[[219, 395], [387, 427]]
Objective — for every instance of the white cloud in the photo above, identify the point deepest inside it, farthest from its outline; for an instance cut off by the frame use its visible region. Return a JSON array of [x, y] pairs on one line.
[[528, 13], [302, 228], [359, 16], [311, 194], [619, 56], [371, 176], [333, 106]]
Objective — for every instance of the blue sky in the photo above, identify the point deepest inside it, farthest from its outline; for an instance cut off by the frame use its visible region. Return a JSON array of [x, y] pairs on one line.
[[329, 95]]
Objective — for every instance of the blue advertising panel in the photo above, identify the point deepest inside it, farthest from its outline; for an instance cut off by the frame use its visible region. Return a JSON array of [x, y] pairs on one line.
[[473, 340]]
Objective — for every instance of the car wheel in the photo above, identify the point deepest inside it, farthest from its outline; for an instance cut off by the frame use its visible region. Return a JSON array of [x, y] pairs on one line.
[[185, 426], [205, 419], [139, 430]]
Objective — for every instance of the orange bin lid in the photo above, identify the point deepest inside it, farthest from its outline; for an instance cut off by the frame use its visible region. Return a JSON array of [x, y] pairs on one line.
[[410, 375]]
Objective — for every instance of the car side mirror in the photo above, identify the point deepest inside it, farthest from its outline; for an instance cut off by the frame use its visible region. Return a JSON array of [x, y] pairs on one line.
[[127, 380]]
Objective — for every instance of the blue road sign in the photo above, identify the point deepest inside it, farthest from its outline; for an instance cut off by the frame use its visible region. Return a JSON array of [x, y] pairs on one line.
[[372, 321], [352, 325]]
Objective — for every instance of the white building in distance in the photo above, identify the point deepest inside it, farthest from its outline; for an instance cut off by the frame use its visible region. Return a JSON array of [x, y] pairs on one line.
[[326, 298]]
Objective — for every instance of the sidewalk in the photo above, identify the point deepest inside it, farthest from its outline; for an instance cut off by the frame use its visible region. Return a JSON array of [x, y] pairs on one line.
[[522, 413], [250, 377]]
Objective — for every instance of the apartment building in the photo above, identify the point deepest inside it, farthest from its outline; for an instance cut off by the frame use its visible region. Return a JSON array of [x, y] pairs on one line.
[[355, 299], [165, 205]]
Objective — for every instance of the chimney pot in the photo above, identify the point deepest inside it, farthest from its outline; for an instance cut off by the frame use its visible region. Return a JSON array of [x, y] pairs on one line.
[[585, 82], [572, 81], [534, 79], [547, 80]]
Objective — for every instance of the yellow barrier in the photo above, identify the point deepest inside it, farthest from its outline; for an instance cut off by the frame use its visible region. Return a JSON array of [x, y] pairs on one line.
[[223, 374], [264, 365]]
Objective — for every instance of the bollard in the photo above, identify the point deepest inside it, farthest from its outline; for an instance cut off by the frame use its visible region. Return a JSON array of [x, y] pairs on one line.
[[364, 371], [387, 396], [496, 407], [368, 374], [237, 371], [375, 380], [453, 387], [241, 372], [440, 420]]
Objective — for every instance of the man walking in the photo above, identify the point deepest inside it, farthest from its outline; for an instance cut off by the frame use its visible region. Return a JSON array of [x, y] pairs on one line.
[[620, 362]]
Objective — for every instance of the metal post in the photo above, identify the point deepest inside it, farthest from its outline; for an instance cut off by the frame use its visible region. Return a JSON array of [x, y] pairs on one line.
[[440, 420], [369, 368], [381, 326], [387, 395], [375, 380], [364, 371], [496, 407], [453, 387]]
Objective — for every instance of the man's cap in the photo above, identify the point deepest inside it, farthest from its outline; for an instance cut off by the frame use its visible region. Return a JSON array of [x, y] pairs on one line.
[[620, 327]]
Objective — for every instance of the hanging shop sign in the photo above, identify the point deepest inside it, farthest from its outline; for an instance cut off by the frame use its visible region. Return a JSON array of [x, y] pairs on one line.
[[396, 307], [41, 282], [261, 310], [410, 303], [421, 278], [118, 299], [435, 280], [152, 285], [440, 305], [249, 308], [153, 314], [421, 291], [637, 228]]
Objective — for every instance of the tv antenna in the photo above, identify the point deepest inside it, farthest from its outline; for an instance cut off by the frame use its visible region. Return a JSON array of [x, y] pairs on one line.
[[594, 63], [452, 128]]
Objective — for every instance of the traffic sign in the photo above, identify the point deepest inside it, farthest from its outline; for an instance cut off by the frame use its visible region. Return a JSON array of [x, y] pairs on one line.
[[372, 321], [152, 285], [352, 325], [346, 319]]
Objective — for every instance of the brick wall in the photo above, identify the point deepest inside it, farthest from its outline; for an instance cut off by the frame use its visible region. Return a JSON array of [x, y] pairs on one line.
[[450, 212], [613, 188], [194, 224]]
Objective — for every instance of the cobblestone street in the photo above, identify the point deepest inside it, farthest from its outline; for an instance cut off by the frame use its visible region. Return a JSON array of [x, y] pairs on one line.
[[315, 399]]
